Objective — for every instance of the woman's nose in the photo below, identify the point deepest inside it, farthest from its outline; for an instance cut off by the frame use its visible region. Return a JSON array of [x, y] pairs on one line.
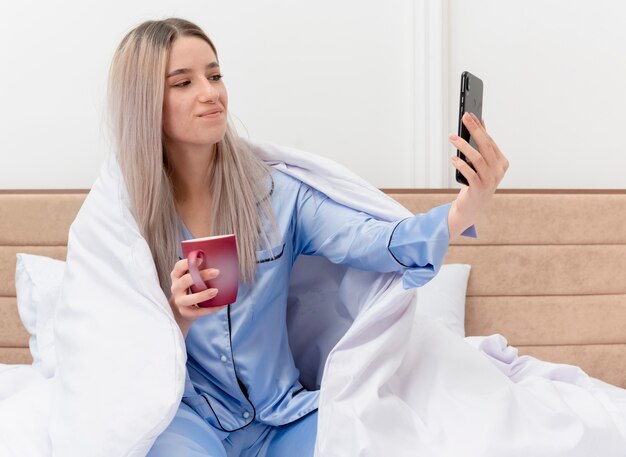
[[209, 93]]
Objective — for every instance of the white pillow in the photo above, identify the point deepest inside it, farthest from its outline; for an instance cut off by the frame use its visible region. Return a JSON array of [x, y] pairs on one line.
[[443, 297], [38, 286]]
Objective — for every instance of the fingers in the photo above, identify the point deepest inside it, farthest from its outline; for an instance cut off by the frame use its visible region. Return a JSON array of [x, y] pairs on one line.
[[187, 304], [480, 136], [503, 162], [192, 312], [184, 304], [489, 163], [186, 281], [476, 158], [182, 281], [465, 170], [180, 268]]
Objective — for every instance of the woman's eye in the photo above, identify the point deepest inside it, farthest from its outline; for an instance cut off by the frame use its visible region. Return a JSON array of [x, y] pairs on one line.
[[210, 78]]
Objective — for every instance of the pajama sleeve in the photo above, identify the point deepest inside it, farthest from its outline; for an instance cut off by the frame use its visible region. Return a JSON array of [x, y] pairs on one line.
[[420, 243], [414, 246]]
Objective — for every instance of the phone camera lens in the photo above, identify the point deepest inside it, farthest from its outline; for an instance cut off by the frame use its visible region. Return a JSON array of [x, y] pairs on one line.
[[467, 84]]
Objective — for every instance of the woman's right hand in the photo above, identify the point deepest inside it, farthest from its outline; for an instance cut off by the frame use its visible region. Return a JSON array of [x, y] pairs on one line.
[[490, 167], [184, 305]]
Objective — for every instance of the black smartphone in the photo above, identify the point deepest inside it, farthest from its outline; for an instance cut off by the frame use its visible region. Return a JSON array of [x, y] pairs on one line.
[[470, 100]]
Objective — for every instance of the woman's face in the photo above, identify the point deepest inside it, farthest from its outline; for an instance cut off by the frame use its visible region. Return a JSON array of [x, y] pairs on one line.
[[195, 99]]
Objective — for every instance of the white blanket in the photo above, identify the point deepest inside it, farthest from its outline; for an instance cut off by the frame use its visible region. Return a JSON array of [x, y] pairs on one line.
[[394, 384]]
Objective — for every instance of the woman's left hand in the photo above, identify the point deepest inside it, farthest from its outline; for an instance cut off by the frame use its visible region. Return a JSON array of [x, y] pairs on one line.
[[490, 166]]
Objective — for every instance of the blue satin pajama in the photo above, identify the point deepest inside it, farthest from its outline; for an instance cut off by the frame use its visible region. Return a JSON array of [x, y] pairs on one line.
[[242, 386], [190, 436]]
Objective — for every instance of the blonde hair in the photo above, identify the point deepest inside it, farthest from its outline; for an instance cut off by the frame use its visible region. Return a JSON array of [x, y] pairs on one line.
[[239, 184]]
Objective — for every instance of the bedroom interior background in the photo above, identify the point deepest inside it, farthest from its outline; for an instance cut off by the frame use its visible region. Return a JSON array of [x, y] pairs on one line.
[[553, 74]]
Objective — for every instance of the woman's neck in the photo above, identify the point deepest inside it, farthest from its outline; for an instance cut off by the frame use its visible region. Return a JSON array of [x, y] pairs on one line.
[[190, 171]]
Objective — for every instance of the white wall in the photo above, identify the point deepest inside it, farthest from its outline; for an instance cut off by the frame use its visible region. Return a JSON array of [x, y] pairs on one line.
[[554, 75], [372, 85], [296, 75]]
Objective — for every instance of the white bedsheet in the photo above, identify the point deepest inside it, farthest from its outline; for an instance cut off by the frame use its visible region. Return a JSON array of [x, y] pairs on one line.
[[396, 383], [469, 397]]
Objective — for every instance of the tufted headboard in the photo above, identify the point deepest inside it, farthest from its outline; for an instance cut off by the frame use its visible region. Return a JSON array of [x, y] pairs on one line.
[[548, 269]]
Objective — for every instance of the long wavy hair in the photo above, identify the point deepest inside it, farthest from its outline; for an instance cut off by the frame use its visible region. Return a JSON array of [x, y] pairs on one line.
[[238, 178]]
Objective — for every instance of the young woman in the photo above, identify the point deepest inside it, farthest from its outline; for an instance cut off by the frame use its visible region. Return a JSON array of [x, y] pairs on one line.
[[188, 176]]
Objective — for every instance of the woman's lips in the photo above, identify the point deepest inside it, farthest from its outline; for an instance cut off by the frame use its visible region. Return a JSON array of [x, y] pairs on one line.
[[214, 113]]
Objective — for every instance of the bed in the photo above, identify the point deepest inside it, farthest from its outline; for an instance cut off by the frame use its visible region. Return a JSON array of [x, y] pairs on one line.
[[547, 269]]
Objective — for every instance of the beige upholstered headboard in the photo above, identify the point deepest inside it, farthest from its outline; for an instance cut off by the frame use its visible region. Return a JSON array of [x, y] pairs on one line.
[[548, 269], [548, 273], [35, 222]]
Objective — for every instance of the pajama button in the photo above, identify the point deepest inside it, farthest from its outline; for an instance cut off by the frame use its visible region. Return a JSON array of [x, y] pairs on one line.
[[223, 359], [246, 415]]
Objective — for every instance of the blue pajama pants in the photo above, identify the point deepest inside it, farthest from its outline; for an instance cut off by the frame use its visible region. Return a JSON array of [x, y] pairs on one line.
[[190, 436]]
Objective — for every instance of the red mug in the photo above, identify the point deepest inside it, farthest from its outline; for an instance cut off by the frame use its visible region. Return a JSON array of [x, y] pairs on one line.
[[214, 252]]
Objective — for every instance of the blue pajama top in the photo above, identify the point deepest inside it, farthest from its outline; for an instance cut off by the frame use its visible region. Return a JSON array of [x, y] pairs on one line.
[[239, 366]]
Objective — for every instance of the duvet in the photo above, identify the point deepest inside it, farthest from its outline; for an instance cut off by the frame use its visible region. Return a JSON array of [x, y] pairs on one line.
[[392, 382]]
